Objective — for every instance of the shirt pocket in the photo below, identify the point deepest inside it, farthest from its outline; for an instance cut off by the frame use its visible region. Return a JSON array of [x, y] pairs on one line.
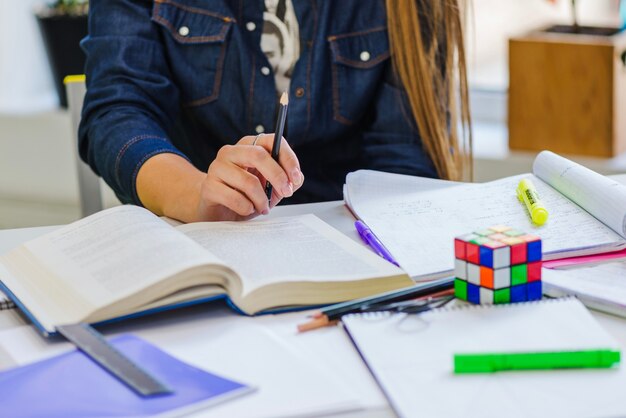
[[195, 47], [357, 71]]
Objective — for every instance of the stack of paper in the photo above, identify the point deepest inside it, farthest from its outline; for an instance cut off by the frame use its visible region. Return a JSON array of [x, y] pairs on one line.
[[601, 287]]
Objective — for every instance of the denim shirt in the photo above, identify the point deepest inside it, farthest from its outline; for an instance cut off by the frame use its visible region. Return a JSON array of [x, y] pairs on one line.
[[154, 86]]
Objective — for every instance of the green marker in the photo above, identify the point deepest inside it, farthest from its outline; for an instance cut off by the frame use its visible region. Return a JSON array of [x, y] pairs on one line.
[[494, 362]]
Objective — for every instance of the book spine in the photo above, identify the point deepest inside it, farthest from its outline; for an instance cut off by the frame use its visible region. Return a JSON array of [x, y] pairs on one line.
[[25, 311]]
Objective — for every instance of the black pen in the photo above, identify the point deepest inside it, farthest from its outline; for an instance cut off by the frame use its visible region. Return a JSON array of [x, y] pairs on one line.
[[278, 135]]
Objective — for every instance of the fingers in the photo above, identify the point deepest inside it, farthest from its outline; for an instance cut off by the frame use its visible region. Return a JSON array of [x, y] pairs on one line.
[[289, 162], [236, 178], [221, 194], [230, 184], [259, 158], [287, 159], [246, 183]]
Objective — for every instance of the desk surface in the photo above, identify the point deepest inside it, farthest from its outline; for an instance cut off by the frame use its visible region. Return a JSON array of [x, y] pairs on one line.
[[334, 213]]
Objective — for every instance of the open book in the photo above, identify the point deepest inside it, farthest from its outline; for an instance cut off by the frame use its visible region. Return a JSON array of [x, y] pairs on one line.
[[126, 260], [417, 218]]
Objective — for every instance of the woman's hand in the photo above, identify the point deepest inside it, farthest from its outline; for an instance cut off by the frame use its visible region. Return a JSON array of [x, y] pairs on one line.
[[233, 188]]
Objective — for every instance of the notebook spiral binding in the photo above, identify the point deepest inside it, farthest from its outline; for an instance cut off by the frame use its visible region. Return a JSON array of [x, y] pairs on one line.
[[464, 307], [467, 307], [374, 314]]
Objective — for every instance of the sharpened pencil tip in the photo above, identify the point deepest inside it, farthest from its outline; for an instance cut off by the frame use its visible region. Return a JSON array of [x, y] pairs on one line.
[[284, 99]]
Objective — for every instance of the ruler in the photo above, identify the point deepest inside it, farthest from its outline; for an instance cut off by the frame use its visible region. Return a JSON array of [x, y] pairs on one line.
[[92, 343]]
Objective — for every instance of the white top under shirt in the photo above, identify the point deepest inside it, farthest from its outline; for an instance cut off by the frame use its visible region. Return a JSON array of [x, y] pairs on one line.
[[280, 41]]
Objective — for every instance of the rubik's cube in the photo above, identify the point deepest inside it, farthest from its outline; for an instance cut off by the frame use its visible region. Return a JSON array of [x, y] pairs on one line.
[[497, 265]]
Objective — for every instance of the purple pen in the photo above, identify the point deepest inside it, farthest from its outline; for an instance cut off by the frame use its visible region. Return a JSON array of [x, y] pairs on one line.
[[373, 242]]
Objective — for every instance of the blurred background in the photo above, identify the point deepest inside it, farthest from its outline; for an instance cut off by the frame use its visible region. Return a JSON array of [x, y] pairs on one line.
[[38, 179]]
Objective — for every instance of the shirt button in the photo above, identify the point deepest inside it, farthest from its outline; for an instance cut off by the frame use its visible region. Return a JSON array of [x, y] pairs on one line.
[[265, 71], [183, 31], [259, 129], [365, 56], [299, 92], [250, 26]]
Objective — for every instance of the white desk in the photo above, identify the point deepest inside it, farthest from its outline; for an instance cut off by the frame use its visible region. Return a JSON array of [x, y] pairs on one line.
[[162, 328]]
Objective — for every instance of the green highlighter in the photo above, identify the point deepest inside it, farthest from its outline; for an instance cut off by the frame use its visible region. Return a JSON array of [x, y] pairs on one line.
[[495, 362]]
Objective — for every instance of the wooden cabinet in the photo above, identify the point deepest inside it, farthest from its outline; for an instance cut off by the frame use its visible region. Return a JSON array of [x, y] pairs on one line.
[[567, 93]]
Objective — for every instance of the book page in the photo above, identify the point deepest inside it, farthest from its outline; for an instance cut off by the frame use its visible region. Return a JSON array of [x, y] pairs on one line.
[[419, 228], [599, 195], [113, 254], [289, 249]]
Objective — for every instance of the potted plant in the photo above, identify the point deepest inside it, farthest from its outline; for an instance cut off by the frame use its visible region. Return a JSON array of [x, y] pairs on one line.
[[63, 23], [576, 28]]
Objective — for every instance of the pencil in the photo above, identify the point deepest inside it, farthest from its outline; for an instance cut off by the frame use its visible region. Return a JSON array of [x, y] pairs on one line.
[[331, 314], [278, 135]]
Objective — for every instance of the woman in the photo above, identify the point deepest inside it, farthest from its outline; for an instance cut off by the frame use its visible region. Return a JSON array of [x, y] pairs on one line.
[[180, 93]]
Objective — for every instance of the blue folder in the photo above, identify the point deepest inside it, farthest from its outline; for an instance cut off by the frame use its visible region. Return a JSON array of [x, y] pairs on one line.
[[72, 385]]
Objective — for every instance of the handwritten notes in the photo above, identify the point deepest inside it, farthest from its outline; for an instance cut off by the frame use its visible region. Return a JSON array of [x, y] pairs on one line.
[[418, 227]]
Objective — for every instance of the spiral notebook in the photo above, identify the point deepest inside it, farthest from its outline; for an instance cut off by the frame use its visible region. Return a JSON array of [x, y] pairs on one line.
[[411, 358]]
